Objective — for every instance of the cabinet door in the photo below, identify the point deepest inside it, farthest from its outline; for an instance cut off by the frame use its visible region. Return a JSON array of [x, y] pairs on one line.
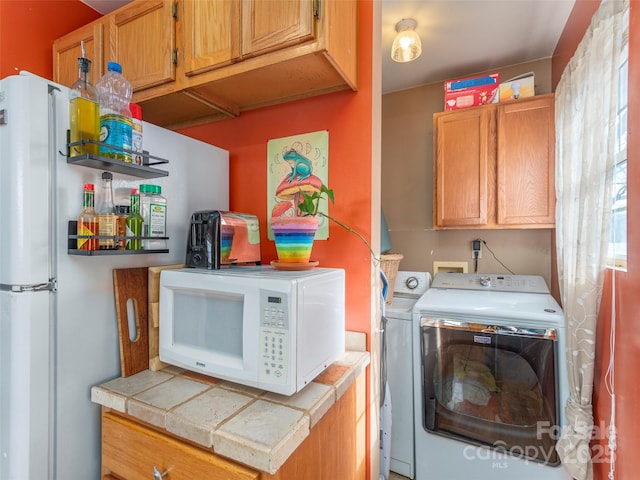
[[526, 163], [67, 50], [131, 451], [143, 42], [464, 167], [273, 24], [210, 34]]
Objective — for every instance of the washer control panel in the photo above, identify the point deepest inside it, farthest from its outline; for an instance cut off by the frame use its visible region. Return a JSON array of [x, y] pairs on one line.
[[491, 282], [411, 283]]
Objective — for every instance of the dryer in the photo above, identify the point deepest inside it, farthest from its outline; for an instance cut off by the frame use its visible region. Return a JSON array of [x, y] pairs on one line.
[[408, 288], [490, 378]]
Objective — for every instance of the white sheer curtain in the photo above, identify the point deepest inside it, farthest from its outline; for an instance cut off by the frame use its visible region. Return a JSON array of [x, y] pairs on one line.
[[586, 102]]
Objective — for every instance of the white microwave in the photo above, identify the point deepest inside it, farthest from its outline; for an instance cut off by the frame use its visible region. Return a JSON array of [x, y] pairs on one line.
[[258, 326]]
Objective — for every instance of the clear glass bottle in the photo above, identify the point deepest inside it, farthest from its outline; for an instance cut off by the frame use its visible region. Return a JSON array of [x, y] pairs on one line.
[[106, 211], [84, 111], [134, 223], [87, 221], [115, 116]]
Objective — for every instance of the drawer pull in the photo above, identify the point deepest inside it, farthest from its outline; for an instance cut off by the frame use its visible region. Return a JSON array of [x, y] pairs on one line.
[[159, 476]]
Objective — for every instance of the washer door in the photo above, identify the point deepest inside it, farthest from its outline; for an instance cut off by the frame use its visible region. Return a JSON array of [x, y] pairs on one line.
[[491, 385]]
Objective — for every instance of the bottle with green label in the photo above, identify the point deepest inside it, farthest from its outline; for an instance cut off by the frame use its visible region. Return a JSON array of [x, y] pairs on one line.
[[153, 208]]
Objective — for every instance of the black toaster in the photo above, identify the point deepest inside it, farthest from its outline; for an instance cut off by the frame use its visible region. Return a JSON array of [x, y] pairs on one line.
[[218, 238]]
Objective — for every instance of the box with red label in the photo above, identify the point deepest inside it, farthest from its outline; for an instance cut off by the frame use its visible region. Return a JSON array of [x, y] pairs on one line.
[[471, 91]]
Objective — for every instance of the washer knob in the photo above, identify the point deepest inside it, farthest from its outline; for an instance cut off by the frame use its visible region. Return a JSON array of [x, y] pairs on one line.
[[485, 281], [412, 283]]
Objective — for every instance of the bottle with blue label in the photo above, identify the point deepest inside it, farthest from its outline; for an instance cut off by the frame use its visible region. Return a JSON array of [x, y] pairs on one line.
[[115, 93]]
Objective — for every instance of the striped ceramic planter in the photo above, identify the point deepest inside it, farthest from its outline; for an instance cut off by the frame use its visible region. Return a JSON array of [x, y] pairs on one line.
[[294, 238]]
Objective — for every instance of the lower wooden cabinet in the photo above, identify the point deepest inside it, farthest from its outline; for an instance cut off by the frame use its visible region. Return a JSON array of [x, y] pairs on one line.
[[132, 451], [334, 450]]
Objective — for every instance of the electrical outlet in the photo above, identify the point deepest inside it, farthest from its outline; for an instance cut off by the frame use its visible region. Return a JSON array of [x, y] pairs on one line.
[[473, 252]]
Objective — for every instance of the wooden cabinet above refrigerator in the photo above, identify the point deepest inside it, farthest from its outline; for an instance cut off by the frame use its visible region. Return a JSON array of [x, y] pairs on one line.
[[196, 61]]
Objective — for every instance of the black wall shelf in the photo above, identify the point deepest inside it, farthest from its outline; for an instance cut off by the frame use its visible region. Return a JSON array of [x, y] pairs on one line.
[[73, 242], [146, 170]]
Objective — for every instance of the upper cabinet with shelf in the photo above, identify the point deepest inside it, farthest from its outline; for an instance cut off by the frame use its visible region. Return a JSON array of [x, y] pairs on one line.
[[143, 41], [494, 166], [195, 61], [276, 24], [205, 48]]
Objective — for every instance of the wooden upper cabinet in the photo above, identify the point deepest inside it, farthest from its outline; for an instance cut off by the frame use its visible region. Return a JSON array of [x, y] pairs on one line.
[[464, 167], [197, 61], [210, 34], [494, 166], [67, 50], [143, 42], [526, 163], [267, 25]]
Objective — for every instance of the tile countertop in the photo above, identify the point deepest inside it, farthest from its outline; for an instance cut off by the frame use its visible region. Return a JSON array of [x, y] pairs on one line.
[[245, 424]]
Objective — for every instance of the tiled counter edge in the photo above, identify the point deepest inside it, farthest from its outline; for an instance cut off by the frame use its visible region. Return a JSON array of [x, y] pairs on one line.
[[248, 425]]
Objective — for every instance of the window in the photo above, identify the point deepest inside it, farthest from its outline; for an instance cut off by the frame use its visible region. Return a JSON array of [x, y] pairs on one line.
[[618, 239]]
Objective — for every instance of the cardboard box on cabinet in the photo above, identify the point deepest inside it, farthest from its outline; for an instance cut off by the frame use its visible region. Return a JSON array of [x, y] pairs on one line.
[[471, 91], [515, 88]]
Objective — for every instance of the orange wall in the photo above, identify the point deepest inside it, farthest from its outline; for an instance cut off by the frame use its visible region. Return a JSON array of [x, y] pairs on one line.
[[627, 347], [347, 117], [28, 28]]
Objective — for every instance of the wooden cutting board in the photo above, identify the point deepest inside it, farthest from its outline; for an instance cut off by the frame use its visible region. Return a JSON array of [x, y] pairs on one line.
[[131, 284], [154, 315]]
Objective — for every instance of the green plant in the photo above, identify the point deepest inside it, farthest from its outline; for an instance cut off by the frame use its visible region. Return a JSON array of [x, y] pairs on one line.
[[309, 205]]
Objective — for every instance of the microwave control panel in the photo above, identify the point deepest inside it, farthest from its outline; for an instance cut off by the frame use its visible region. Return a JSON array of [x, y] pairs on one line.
[[274, 339]]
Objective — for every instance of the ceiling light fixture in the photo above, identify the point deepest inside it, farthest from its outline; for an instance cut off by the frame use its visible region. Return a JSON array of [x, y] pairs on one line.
[[407, 45]]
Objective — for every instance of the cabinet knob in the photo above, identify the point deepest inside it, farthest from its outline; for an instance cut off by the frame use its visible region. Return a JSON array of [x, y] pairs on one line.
[[159, 476]]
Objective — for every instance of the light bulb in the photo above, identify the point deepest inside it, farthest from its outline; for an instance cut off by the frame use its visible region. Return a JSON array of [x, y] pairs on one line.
[[407, 45], [515, 86], [405, 42]]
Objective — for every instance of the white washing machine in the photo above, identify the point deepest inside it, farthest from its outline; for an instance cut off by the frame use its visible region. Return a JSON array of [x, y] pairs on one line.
[[408, 288], [490, 379]]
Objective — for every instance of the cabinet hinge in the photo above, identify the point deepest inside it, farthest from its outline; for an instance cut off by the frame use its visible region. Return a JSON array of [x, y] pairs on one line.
[[174, 10], [174, 57], [317, 6]]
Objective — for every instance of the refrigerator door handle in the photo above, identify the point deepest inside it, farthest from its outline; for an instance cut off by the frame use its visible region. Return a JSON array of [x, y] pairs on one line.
[[50, 286]]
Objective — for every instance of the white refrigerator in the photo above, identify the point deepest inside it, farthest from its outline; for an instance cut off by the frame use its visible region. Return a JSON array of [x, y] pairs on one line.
[[58, 333]]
